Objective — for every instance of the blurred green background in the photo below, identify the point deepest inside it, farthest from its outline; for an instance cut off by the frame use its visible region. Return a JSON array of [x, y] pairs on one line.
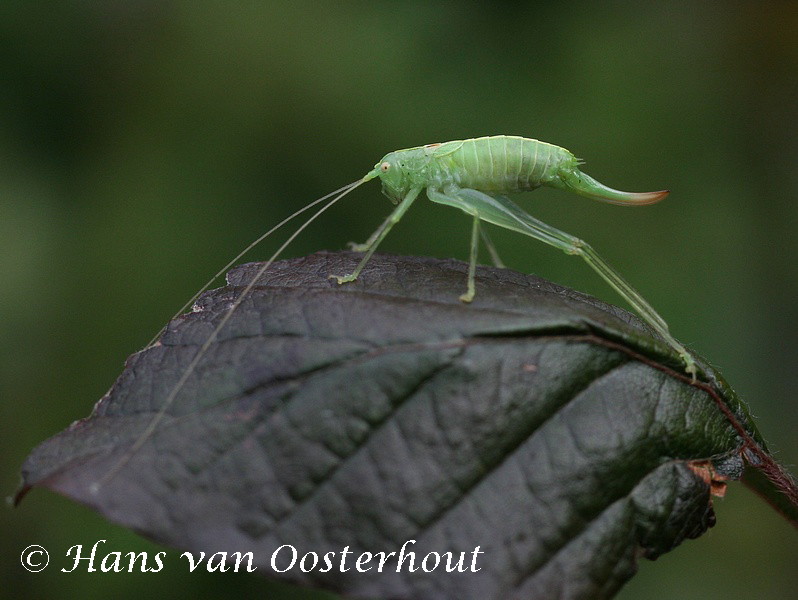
[[143, 143]]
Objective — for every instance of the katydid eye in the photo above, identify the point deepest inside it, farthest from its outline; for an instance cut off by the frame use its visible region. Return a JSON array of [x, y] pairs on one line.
[[385, 166]]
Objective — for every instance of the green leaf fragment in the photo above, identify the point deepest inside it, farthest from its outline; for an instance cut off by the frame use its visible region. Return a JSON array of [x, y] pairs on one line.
[[553, 431]]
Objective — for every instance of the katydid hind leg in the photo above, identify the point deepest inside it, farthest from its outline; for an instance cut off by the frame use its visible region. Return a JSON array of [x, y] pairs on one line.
[[502, 211]]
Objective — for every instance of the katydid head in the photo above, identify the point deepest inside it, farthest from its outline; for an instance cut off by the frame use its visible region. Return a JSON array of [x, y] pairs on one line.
[[390, 172]]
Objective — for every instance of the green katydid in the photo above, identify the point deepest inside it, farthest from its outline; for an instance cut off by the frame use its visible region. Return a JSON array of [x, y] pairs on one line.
[[472, 175]]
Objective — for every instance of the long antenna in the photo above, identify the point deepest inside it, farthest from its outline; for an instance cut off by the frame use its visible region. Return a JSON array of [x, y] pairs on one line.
[[236, 258], [153, 424]]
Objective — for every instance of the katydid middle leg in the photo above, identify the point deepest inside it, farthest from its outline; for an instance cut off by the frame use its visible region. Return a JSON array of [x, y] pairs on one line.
[[494, 256], [472, 263]]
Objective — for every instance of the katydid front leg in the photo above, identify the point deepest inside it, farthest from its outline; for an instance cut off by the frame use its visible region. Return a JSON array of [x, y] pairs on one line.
[[355, 247], [379, 235]]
